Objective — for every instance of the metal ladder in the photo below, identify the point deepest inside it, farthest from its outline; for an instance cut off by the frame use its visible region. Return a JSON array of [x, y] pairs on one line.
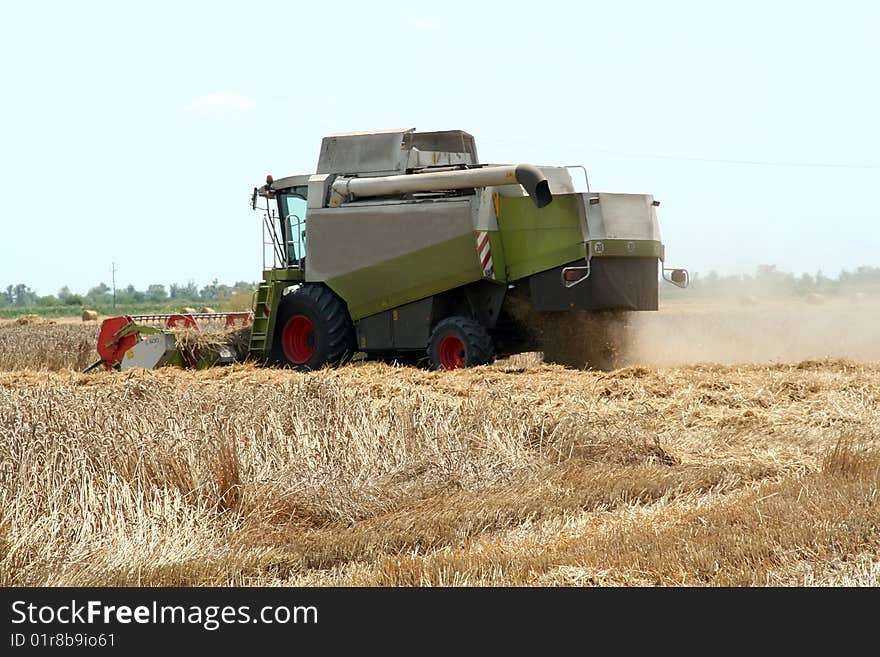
[[260, 330]]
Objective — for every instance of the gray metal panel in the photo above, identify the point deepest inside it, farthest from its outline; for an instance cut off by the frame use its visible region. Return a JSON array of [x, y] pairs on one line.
[[370, 152], [446, 141], [484, 209], [344, 239], [405, 327], [485, 299], [374, 333], [614, 283], [419, 159], [319, 190], [152, 351], [621, 216], [411, 324]]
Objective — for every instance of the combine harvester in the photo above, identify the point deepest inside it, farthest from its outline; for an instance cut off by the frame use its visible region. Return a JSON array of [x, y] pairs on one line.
[[404, 247]]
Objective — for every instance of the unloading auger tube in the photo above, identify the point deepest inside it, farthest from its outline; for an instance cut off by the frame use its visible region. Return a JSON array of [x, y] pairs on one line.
[[528, 175]]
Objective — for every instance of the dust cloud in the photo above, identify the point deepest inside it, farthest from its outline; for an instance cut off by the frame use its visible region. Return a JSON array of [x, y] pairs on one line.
[[723, 333], [761, 332]]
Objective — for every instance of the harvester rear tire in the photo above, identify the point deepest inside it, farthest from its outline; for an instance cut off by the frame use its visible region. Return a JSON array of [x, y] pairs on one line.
[[458, 342], [313, 329]]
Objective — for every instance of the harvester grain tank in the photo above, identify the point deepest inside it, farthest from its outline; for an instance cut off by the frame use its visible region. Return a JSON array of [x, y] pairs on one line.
[[403, 246]]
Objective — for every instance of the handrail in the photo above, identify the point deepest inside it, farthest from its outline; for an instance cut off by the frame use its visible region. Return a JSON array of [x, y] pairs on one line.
[[285, 253], [582, 168]]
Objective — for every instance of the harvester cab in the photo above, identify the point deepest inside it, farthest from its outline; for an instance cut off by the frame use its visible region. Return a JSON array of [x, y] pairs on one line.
[[284, 220]]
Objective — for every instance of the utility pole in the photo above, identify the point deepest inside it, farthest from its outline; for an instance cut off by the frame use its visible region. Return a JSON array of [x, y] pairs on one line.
[[113, 275]]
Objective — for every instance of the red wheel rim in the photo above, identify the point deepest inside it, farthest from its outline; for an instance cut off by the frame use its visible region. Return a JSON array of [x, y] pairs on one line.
[[452, 354], [298, 339]]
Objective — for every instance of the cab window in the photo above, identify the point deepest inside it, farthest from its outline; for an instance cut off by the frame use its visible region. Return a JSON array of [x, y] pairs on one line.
[[292, 207]]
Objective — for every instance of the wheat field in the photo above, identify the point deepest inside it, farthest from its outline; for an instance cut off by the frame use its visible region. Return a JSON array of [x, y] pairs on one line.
[[517, 473]]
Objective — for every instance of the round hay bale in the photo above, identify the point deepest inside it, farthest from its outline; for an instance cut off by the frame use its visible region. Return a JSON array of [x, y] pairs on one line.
[[188, 310], [90, 315], [748, 300], [207, 309], [814, 299]]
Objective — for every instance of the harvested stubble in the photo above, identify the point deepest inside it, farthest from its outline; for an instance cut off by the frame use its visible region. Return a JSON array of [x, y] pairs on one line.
[[47, 346], [380, 475]]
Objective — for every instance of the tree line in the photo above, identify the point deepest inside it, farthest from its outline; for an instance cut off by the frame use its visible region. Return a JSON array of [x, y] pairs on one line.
[[22, 296], [769, 281]]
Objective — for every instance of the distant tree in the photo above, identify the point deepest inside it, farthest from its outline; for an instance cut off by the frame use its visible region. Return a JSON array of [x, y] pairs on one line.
[[806, 282], [99, 295], [210, 292], [74, 300], [867, 274], [224, 292], [766, 271], [156, 293], [48, 300], [130, 295], [190, 290], [22, 295]]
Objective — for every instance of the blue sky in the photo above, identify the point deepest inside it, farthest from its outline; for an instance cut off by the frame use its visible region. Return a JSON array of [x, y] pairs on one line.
[[134, 133]]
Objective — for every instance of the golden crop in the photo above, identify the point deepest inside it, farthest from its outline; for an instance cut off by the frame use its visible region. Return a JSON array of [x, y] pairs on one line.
[[518, 473]]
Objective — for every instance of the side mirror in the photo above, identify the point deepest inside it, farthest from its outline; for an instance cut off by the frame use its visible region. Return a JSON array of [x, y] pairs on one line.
[[678, 277]]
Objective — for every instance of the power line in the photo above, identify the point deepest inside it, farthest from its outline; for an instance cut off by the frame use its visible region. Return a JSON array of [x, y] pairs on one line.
[[686, 158], [768, 163]]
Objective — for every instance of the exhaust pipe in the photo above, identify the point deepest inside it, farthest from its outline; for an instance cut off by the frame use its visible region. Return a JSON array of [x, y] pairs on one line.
[[530, 177]]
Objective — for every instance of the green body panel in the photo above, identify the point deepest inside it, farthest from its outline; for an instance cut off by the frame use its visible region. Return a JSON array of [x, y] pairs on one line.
[[411, 277], [536, 240], [633, 248]]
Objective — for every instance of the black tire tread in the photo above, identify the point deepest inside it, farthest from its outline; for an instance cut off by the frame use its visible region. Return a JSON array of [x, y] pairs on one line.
[[333, 313], [479, 347]]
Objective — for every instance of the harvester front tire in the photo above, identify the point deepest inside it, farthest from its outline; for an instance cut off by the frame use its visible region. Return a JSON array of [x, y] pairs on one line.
[[458, 342], [313, 329]]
